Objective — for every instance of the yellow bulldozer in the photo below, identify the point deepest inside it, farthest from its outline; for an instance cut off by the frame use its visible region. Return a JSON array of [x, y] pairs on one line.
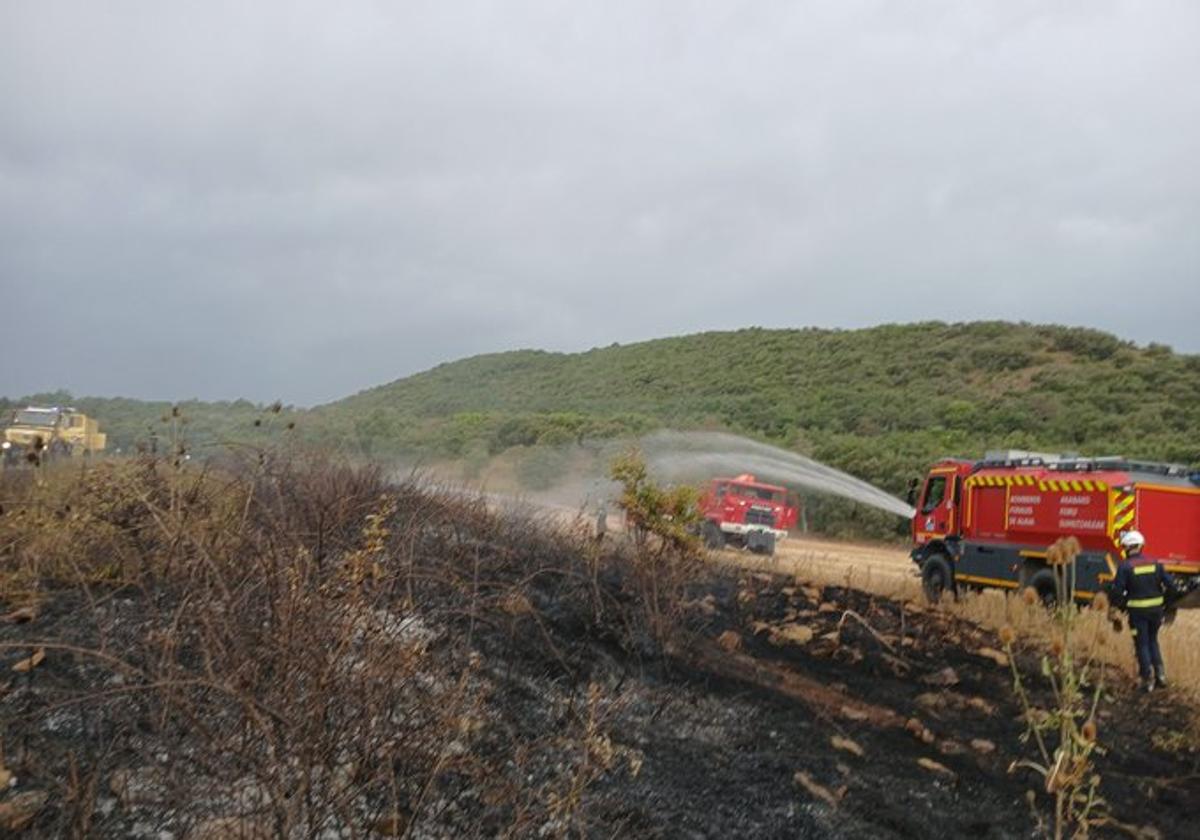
[[57, 431]]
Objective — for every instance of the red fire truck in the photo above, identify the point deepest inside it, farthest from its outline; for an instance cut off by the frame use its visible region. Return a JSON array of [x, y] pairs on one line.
[[745, 512], [989, 523]]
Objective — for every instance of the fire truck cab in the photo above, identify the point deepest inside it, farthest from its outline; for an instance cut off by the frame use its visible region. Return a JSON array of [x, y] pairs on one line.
[[989, 523]]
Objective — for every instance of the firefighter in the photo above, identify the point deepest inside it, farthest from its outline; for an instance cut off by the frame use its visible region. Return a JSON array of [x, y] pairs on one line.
[[1140, 588]]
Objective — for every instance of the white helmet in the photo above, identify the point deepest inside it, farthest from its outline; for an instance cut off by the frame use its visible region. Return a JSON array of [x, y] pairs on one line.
[[1132, 539]]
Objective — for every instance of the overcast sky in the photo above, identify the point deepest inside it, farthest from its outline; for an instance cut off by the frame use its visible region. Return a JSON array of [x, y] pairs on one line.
[[300, 200]]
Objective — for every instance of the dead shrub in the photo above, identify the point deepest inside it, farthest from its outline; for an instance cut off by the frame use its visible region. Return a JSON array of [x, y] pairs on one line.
[[294, 646], [1065, 734]]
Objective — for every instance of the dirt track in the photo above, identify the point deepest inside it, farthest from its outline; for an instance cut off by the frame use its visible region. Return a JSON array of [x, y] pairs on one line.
[[859, 559]]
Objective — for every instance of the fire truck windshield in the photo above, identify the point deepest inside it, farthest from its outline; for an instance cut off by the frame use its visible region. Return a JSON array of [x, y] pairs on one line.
[[47, 419], [763, 493], [934, 493]]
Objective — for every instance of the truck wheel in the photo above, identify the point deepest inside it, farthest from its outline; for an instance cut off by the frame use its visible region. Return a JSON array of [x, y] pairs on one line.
[[714, 537], [936, 577], [1045, 585], [768, 545]]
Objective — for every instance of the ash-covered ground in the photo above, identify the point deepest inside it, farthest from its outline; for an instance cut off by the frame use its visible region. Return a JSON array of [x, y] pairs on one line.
[[427, 667]]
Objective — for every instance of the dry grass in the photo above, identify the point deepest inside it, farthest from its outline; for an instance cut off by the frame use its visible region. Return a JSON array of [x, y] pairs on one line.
[[1094, 630], [992, 609], [1066, 731], [298, 646]]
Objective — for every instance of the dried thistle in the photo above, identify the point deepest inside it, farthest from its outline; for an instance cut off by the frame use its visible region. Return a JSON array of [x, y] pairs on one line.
[[1008, 635], [1054, 554], [1063, 552]]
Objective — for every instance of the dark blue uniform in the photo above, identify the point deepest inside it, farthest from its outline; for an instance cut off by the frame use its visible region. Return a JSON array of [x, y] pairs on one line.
[[1140, 587]]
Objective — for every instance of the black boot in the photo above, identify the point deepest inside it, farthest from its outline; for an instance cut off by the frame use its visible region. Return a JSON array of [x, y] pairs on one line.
[[1160, 677]]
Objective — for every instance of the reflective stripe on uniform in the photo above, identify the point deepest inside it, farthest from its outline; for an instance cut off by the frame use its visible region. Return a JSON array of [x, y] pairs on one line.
[[1144, 570], [1143, 603]]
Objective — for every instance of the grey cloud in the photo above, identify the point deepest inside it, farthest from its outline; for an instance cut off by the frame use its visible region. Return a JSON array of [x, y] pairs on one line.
[[301, 200]]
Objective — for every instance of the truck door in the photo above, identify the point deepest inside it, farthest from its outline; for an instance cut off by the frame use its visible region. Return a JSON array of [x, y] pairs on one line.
[[936, 510]]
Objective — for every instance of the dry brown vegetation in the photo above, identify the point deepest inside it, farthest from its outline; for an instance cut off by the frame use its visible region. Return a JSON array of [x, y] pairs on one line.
[[886, 572], [290, 647]]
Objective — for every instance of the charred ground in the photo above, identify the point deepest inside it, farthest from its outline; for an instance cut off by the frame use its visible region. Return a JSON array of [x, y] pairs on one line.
[[303, 650]]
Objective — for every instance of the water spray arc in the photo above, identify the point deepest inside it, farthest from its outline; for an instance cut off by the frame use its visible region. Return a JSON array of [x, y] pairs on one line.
[[683, 456]]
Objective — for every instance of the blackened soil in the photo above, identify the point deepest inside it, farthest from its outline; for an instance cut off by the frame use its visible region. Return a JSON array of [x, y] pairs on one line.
[[721, 751], [724, 728]]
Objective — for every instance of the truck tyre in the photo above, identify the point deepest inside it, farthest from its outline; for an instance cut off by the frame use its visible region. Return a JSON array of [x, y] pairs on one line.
[[936, 577], [1045, 585], [714, 537]]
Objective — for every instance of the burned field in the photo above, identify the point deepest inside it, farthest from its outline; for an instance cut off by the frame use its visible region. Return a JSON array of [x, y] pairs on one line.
[[909, 720], [307, 651]]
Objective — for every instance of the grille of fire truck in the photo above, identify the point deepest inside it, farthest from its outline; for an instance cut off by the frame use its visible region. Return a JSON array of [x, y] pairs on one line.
[[760, 516]]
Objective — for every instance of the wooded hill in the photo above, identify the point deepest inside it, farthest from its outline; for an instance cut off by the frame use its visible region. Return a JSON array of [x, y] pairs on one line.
[[919, 390], [879, 403]]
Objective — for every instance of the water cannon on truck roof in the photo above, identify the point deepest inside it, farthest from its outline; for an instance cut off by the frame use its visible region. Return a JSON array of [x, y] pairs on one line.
[[988, 523]]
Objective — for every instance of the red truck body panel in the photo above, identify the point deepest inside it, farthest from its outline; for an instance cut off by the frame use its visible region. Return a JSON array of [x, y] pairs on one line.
[[995, 520], [1172, 516]]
